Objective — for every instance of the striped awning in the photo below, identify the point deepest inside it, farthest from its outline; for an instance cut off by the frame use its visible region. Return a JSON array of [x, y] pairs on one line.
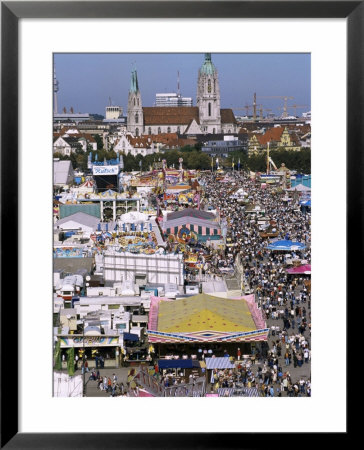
[[244, 392], [225, 392], [250, 392], [219, 363]]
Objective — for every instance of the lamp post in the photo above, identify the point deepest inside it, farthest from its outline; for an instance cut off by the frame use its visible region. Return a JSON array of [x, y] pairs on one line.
[[83, 358]]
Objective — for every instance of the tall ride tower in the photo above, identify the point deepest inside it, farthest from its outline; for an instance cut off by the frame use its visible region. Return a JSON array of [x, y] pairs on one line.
[[55, 91]]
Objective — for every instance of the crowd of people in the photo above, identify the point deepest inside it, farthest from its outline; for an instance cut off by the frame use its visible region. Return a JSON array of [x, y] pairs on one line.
[[284, 299]]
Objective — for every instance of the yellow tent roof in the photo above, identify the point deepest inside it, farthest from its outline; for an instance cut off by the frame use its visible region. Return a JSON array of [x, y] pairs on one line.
[[205, 312]]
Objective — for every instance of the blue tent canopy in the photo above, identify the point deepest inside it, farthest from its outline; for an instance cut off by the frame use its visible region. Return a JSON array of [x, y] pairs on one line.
[[131, 337], [286, 245], [306, 203], [177, 363]]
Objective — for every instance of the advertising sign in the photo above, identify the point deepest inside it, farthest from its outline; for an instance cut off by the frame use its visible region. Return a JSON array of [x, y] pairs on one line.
[[105, 170], [89, 341]]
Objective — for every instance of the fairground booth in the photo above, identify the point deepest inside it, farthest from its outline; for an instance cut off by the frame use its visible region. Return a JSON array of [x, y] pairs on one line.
[[204, 326]]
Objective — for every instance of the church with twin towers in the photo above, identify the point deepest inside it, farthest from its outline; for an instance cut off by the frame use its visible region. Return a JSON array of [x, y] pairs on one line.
[[205, 118]]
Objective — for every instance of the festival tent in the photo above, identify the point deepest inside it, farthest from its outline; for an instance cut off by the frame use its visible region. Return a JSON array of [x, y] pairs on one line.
[[286, 245], [204, 318], [305, 270], [133, 217], [299, 188]]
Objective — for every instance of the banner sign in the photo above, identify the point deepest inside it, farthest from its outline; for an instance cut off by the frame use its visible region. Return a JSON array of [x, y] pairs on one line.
[[105, 170], [69, 252], [89, 341]]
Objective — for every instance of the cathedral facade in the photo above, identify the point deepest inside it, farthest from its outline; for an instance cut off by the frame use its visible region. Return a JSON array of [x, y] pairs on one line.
[[206, 117]]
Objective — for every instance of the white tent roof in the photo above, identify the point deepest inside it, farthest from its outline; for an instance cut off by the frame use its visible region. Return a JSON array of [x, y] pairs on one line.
[[299, 188], [133, 217]]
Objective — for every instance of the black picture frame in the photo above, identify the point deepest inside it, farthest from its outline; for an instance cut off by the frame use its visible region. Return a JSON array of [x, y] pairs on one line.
[[11, 12]]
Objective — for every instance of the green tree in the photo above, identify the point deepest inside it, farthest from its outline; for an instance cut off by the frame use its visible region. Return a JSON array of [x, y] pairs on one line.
[[99, 142]]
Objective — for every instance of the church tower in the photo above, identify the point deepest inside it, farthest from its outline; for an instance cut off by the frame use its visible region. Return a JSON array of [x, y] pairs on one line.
[[208, 97], [135, 110]]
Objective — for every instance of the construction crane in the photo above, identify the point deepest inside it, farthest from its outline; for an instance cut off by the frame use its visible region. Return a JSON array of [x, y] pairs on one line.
[[295, 108], [285, 98], [254, 106], [247, 108], [261, 109]]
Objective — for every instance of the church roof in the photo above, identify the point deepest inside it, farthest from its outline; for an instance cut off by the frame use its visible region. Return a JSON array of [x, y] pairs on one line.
[[227, 116], [174, 115]]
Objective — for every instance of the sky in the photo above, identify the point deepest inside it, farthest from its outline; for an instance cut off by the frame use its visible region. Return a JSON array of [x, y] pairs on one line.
[[88, 80]]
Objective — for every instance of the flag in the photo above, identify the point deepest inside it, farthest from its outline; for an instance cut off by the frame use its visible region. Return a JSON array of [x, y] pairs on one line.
[[239, 164], [232, 164], [71, 361], [57, 356]]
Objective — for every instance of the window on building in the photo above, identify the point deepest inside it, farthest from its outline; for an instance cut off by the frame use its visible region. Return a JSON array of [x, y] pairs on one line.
[[178, 130], [159, 130], [138, 101], [149, 130], [168, 129], [209, 109], [213, 131], [137, 132], [209, 86], [136, 118]]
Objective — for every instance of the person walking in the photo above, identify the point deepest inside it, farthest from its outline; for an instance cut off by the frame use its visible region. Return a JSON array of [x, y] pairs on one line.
[[286, 358]]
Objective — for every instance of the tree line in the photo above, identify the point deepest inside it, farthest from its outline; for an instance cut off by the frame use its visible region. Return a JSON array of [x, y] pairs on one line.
[[194, 158]]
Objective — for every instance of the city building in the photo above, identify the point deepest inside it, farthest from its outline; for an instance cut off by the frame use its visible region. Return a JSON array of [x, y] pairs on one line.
[[172, 99], [225, 145], [278, 137], [113, 112]]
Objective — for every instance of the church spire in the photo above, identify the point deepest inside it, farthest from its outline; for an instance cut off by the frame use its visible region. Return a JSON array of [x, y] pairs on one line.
[[134, 86]]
